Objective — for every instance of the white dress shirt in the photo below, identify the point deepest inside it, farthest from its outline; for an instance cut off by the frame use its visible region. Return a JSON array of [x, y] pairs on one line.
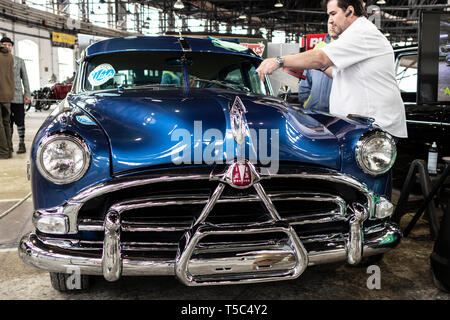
[[364, 78]]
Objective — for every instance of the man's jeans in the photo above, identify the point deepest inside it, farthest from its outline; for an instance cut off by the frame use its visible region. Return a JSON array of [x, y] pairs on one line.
[[5, 130]]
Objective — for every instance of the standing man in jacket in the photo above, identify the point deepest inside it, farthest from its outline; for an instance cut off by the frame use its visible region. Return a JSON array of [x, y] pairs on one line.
[[314, 91], [361, 63], [6, 96], [21, 94]]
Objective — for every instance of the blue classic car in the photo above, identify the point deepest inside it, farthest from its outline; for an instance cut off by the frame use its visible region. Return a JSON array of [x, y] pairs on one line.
[[171, 157]]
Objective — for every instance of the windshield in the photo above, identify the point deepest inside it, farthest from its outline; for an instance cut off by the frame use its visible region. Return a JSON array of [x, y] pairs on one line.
[[164, 70]]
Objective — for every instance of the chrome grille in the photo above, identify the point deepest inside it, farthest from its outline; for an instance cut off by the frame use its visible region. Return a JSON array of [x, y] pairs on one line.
[[153, 225]]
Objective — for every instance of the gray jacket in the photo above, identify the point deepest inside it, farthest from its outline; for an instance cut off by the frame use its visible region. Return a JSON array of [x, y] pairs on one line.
[[21, 84]]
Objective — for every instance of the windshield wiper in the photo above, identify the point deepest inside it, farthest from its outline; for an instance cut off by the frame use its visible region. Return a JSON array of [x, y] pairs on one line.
[[150, 85], [224, 84]]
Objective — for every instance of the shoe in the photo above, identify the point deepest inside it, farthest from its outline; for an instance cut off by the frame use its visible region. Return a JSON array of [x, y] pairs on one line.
[[22, 148]]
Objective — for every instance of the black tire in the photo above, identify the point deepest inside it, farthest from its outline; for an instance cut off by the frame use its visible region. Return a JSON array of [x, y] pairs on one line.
[[60, 282], [438, 284], [46, 106]]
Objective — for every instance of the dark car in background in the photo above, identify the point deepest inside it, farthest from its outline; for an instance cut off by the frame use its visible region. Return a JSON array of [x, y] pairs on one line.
[[426, 123]]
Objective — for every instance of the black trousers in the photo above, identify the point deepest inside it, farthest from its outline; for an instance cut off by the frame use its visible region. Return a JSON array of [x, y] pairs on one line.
[[18, 118]]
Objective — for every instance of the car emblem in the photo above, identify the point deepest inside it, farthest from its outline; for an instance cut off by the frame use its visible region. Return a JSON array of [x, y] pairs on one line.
[[237, 120], [241, 175]]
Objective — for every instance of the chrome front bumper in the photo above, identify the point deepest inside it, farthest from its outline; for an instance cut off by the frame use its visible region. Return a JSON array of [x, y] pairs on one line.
[[271, 264]]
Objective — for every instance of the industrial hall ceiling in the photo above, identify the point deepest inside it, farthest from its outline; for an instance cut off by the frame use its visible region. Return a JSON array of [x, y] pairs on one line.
[[398, 19]]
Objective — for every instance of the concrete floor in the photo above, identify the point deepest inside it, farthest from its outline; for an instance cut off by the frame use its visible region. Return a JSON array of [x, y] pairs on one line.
[[404, 271]]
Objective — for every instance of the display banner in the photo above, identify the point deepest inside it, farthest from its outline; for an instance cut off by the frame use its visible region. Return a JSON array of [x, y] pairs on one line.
[[63, 40], [257, 47], [314, 39]]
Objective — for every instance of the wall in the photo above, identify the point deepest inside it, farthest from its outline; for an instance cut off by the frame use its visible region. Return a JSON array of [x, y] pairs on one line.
[[48, 55]]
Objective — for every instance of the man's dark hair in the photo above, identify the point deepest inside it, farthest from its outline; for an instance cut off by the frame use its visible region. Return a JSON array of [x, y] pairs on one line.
[[360, 10]]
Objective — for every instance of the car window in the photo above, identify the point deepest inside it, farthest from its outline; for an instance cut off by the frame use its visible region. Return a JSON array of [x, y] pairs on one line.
[[132, 69], [212, 70], [165, 70], [406, 73]]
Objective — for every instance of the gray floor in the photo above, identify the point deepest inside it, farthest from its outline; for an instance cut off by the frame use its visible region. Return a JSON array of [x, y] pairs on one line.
[[404, 271]]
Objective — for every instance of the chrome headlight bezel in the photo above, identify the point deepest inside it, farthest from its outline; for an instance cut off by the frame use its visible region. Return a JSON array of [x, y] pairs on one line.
[[360, 149], [51, 139]]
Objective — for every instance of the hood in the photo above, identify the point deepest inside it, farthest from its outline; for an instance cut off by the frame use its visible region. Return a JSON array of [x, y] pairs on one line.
[[166, 127]]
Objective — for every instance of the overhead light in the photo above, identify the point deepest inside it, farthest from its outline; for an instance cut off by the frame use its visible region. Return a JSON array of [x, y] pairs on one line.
[[387, 34], [242, 17], [178, 5], [381, 2], [278, 4]]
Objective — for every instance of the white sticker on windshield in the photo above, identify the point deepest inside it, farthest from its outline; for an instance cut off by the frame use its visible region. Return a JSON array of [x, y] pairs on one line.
[[101, 74]]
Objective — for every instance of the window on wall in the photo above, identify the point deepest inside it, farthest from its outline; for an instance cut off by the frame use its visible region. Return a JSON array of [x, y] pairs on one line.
[[28, 50], [65, 63]]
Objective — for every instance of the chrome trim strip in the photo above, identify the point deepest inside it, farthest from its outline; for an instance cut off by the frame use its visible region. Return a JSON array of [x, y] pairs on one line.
[[211, 203], [112, 186], [425, 122], [112, 255], [356, 236], [267, 202]]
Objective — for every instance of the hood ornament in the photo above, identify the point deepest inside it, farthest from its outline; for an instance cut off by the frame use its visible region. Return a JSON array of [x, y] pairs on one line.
[[238, 122]]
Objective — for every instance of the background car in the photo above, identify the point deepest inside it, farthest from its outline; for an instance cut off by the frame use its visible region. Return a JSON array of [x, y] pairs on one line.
[[427, 123]]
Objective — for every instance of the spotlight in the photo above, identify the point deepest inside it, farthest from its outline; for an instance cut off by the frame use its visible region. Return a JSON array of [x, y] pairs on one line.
[[178, 4], [278, 4]]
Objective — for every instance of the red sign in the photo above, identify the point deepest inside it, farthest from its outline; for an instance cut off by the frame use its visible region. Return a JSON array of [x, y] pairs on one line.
[[241, 175], [314, 39], [257, 47]]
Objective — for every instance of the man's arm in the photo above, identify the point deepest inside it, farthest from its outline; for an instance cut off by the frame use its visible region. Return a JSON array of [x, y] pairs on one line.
[[312, 59]]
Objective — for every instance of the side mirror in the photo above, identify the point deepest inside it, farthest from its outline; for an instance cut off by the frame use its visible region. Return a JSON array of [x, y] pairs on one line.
[[284, 93]]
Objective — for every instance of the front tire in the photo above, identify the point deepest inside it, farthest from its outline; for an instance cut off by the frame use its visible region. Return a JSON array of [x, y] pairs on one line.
[[64, 282]]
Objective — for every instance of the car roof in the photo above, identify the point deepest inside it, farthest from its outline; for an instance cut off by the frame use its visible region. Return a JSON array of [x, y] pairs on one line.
[[164, 43]]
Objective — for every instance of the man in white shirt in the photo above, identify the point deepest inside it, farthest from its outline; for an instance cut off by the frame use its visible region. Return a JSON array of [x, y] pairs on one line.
[[361, 63]]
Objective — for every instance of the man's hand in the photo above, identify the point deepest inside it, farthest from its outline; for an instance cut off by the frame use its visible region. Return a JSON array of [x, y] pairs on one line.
[[27, 100], [267, 67]]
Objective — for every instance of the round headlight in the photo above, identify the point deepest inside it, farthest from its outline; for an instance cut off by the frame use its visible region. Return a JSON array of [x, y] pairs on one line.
[[376, 152], [62, 159]]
